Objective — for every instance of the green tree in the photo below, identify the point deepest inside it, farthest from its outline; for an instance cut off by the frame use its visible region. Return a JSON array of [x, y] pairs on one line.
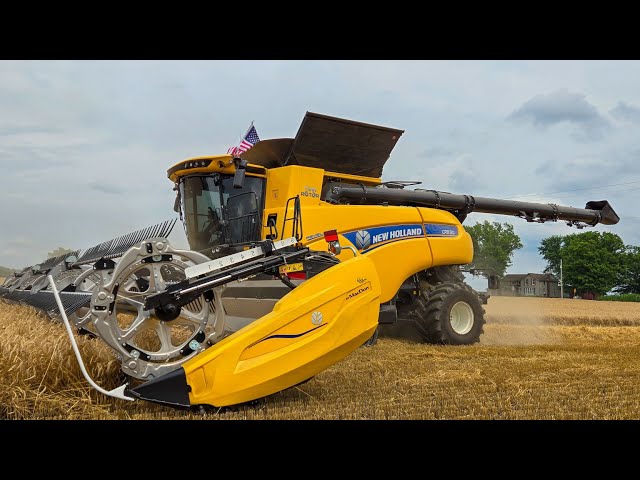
[[493, 245], [591, 261], [629, 275], [58, 251], [550, 250]]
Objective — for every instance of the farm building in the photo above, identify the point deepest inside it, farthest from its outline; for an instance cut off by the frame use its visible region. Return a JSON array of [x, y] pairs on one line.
[[529, 285]]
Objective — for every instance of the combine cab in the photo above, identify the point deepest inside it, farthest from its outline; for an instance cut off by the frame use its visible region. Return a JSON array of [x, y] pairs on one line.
[[299, 252]]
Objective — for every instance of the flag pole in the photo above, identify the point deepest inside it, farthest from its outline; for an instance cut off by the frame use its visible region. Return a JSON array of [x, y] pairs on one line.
[[245, 134]]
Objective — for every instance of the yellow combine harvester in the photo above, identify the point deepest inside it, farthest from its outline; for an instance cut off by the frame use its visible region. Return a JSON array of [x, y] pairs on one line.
[[299, 252]]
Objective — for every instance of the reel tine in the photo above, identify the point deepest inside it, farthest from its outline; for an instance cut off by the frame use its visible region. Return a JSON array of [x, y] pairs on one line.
[[19, 295], [168, 225], [150, 232], [86, 252], [26, 300], [141, 234], [163, 229], [79, 256], [81, 301], [71, 301], [102, 250], [112, 247], [138, 237], [166, 228], [43, 301], [119, 242], [130, 241], [52, 262], [133, 238], [116, 247], [155, 232]]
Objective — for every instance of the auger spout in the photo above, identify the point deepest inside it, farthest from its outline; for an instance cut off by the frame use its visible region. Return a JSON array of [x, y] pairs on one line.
[[461, 205]]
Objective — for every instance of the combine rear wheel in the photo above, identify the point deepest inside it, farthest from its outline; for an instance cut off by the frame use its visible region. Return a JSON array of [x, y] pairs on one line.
[[450, 313]]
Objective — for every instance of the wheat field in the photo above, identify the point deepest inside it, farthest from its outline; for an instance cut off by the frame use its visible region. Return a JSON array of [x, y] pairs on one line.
[[538, 359]]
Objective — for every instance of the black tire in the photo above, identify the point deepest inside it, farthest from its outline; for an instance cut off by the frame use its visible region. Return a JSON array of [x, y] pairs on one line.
[[442, 274], [433, 314], [373, 339]]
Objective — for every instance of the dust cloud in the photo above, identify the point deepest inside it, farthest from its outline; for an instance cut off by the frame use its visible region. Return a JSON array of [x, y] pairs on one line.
[[517, 321], [509, 321]]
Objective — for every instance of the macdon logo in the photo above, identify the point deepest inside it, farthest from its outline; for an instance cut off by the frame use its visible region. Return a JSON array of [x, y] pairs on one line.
[[310, 192], [355, 294]]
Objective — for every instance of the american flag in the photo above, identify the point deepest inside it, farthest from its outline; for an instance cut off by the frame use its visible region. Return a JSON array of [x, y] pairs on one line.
[[249, 140]]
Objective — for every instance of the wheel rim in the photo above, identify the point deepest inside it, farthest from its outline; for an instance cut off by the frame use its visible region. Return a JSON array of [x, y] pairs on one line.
[[147, 345], [461, 318]]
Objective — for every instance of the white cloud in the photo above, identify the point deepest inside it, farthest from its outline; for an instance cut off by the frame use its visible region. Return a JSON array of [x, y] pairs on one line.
[[563, 106], [624, 111]]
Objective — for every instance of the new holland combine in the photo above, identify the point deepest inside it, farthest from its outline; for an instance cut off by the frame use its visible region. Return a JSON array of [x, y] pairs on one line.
[[299, 252]]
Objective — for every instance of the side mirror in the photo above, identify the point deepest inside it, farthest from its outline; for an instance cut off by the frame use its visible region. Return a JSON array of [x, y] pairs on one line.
[[238, 178], [176, 203]]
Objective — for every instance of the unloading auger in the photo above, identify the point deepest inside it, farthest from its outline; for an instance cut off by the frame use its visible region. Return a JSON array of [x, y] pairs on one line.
[[299, 252]]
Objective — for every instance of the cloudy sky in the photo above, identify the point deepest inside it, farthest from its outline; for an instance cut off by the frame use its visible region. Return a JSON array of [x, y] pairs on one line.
[[85, 145]]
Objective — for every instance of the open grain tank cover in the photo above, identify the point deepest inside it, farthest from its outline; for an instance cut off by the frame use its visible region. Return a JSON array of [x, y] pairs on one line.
[[330, 143]]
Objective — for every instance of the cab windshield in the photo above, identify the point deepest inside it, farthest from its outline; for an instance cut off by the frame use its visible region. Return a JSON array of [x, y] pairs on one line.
[[215, 213]]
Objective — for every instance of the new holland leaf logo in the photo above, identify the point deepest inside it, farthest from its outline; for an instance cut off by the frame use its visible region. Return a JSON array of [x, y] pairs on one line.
[[363, 239], [316, 318]]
